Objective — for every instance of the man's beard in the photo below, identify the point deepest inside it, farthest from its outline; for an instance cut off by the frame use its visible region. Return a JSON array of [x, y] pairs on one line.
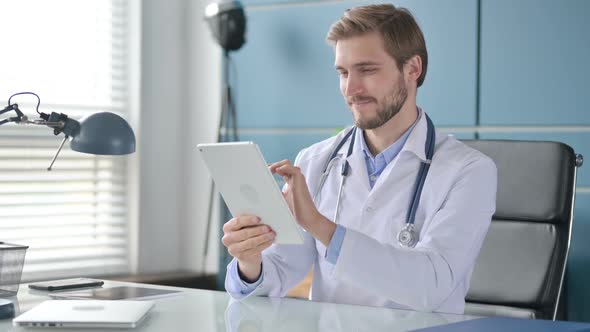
[[386, 109]]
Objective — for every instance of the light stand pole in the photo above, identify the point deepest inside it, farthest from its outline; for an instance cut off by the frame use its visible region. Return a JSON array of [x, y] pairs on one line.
[[227, 120], [227, 21]]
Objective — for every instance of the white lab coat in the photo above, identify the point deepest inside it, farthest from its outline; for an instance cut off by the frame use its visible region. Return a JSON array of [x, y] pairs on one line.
[[454, 214]]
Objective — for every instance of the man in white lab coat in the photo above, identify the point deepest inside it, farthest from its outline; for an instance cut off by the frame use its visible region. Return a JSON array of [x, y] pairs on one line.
[[352, 235]]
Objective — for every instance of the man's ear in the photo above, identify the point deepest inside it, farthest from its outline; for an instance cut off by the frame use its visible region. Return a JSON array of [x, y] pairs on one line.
[[413, 68]]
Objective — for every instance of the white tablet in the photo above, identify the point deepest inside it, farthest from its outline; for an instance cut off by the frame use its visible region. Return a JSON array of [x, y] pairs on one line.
[[248, 187]]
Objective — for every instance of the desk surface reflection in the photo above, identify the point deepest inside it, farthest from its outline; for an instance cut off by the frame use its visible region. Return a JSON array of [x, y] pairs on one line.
[[203, 310]]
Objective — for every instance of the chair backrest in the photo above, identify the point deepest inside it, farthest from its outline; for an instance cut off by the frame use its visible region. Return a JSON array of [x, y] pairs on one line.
[[521, 267]]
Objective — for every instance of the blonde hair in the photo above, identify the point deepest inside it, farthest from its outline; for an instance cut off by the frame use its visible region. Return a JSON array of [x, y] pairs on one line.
[[401, 34]]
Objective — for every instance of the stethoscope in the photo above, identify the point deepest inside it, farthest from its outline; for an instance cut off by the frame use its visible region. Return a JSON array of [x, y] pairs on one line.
[[407, 237]]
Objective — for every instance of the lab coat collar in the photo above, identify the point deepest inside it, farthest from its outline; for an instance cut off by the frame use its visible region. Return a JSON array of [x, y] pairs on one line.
[[416, 142], [358, 164]]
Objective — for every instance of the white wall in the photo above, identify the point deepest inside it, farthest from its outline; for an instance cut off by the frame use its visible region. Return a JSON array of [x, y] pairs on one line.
[[180, 101]]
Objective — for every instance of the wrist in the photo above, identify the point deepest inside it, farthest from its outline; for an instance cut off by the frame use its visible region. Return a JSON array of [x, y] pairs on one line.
[[249, 271], [322, 229]]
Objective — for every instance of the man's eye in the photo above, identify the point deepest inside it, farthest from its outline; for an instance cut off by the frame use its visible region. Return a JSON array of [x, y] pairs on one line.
[[368, 70], [343, 74]]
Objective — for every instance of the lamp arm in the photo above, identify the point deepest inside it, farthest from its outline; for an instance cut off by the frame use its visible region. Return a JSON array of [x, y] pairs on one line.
[[19, 115], [55, 125], [58, 121]]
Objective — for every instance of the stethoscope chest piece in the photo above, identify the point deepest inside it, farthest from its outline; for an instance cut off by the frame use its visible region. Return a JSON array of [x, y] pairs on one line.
[[407, 237]]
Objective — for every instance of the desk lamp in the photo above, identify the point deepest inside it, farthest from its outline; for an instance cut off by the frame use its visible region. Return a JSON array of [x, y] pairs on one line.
[[101, 133]]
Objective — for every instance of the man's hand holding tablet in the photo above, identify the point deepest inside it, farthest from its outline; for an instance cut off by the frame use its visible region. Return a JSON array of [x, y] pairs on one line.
[[261, 213], [245, 239]]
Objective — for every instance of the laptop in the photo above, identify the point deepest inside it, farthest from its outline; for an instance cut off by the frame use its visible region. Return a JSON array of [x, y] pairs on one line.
[[85, 314]]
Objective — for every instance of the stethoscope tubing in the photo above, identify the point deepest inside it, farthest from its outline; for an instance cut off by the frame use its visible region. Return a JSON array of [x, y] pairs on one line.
[[418, 186]]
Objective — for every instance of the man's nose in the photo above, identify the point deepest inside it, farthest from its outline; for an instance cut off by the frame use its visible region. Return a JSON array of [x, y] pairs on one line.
[[353, 86]]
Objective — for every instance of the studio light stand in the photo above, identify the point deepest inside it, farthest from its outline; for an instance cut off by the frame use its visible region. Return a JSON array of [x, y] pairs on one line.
[[227, 22]]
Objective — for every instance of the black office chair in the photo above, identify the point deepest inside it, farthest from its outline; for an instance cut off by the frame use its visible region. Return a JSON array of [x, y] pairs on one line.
[[521, 267]]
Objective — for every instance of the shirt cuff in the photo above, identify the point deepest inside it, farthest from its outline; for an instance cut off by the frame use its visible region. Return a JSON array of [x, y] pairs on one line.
[[333, 250], [245, 287]]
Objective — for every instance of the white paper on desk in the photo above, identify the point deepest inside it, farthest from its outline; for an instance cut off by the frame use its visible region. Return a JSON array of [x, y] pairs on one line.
[[116, 293]]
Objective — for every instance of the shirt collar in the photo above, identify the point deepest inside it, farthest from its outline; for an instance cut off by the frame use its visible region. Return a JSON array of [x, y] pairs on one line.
[[391, 151]]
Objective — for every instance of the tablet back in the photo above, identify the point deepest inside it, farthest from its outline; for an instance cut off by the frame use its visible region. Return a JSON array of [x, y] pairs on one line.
[[248, 187]]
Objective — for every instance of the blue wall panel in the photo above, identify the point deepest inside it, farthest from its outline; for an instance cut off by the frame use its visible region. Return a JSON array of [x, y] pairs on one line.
[[286, 70], [578, 141], [276, 147], [534, 62], [578, 292], [450, 30], [254, 4], [286, 77]]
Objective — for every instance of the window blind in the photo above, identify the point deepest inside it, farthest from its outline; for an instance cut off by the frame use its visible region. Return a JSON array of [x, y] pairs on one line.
[[74, 55]]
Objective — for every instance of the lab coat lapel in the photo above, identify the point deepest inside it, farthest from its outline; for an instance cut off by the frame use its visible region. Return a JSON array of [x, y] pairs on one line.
[[414, 147], [358, 168], [416, 142]]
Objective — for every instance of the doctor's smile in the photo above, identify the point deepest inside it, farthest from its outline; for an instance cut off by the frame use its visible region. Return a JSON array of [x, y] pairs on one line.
[[355, 101]]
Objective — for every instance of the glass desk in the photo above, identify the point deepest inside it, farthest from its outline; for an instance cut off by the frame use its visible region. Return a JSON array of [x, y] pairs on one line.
[[204, 310]]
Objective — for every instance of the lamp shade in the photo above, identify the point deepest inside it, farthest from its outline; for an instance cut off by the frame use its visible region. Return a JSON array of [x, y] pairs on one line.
[[104, 133]]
